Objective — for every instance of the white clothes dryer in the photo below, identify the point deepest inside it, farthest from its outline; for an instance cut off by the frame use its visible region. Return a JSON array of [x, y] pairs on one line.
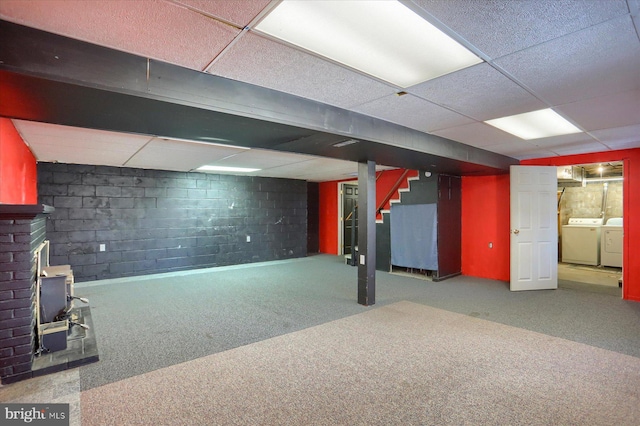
[[611, 243]]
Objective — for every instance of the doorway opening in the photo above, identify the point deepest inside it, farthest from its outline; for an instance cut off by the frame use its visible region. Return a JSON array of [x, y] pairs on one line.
[[348, 224], [590, 217]]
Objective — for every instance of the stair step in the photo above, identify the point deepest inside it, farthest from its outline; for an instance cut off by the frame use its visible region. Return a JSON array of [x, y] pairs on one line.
[[398, 191]]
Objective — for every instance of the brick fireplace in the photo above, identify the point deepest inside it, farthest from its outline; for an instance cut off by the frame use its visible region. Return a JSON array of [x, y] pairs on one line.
[[22, 230]]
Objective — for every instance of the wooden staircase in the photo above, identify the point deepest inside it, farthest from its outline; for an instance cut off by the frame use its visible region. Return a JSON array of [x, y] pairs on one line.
[[395, 197]]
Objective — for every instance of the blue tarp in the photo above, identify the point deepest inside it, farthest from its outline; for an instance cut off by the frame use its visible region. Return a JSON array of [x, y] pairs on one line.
[[414, 237]]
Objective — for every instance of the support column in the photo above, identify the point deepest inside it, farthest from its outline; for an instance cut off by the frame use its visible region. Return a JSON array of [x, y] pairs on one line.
[[367, 233]]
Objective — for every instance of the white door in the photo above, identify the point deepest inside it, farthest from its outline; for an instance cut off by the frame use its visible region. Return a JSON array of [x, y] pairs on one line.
[[534, 228]]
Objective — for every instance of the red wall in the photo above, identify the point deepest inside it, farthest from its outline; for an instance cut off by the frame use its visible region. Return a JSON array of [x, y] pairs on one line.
[[328, 226], [18, 184], [329, 206], [485, 219], [631, 208]]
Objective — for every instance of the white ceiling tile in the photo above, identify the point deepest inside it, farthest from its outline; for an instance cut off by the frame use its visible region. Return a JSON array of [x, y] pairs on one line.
[[521, 150], [598, 61], [153, 28], [64, 144], [579, 148], [263, 62], [327, 165], [178, 155], [604, 112], [261, 159], [477, 134], [501, 27], [480, 92], [577, 143], [237, 12], [620, 137], [413, 112]]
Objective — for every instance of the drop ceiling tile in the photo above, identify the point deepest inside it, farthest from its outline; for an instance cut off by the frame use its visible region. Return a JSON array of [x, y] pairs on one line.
[[501, 27], [620, 137], [64, 144], [520, 151], [237, 12], [261, 159], [413, 112], [264, 62], [604, 112], [477, 134], [326, 165], [579, 148], [154, 28], [598, 61], [169, 154], [480, 92], [577, 143]]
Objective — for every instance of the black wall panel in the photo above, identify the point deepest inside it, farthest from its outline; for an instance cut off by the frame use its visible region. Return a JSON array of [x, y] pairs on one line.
[[449, 226], [153, 221]]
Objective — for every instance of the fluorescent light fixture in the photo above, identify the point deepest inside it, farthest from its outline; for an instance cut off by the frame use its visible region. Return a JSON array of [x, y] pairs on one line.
[[384, 39], [607, 179], [226, 169], [535, 125], [345, 143]]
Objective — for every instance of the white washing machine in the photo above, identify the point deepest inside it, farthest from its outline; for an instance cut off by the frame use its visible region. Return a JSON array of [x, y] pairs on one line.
[[611, 243], [581, 241]]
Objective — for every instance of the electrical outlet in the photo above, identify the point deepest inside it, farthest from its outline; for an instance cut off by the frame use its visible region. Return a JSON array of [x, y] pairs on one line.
[[103, 247], [490, 245], [248, 239]]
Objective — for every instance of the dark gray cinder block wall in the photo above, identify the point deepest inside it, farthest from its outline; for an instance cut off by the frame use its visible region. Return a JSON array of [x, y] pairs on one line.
[[153, 221]]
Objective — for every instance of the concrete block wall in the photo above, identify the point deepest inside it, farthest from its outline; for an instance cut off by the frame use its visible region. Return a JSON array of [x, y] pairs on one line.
[[153, 221], [578, 201]]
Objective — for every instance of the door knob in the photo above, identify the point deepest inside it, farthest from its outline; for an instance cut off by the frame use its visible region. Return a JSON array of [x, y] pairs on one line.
[[516, 231]]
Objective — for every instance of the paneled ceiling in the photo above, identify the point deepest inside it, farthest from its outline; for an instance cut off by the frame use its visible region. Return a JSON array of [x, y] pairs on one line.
[[581, 58]]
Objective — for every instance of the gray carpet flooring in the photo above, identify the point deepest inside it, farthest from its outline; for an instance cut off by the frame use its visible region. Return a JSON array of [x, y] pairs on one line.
[[147, 323], [400, 364]]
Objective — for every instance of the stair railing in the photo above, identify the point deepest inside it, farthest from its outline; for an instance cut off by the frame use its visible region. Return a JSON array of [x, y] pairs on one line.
[[392, 191]]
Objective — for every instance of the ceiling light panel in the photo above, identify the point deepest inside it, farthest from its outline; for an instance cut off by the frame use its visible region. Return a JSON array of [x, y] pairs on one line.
[[535, 125], [384, 39], [226, 169]]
